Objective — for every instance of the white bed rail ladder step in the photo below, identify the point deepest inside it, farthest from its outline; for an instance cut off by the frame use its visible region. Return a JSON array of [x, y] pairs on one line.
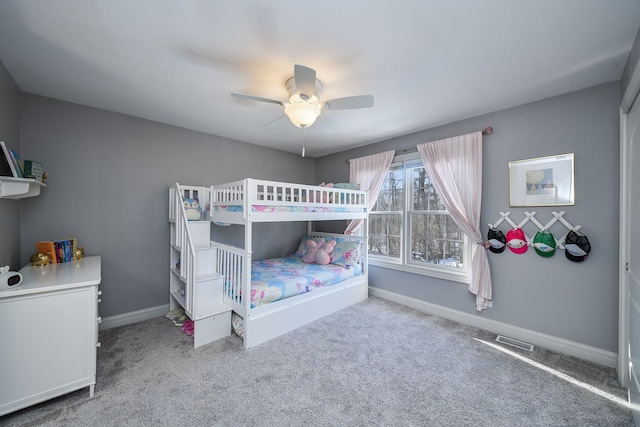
[[195, 284]]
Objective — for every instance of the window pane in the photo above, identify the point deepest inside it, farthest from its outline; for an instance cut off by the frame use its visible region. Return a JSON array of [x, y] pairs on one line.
[[420, 192], [385, 224], [391, 197], [425, 197], [376, 224], [452, 254], [378, 245], [419, 241], [385, 234], [435, 239], [385, 246], [453, 231], [435, 203], [436, 226], [394, 246]]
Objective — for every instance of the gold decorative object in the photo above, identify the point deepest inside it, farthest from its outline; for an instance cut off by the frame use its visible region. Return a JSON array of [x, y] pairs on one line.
[[79, 253], [40, 259], [44, 177]]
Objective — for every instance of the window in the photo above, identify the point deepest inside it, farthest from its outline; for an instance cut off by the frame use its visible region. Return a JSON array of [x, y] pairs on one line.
[[410, 229]]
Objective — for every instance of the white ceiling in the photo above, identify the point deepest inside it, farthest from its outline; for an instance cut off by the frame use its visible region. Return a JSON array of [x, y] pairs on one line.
[[426, 62]]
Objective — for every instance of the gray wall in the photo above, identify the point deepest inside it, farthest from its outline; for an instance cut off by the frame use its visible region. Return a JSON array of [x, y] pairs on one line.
[[108, 183], [574, 301], [10, 134], [109, 175]]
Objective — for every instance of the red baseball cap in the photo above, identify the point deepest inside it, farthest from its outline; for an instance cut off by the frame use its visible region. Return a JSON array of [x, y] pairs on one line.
[[517, 241]]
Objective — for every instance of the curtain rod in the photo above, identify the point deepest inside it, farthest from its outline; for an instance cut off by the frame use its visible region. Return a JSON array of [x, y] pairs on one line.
[[485, 131]]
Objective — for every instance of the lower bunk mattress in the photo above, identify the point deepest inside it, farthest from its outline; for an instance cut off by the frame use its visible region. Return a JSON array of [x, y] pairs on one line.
[[275, 279]]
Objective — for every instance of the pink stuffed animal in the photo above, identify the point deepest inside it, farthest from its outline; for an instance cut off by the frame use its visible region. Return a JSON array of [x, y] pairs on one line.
[[324, 196], [317, 197], [310, 254], [323, 253]]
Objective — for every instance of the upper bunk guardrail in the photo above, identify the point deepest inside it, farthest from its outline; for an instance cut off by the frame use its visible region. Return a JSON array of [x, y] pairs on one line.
[[261, 192]]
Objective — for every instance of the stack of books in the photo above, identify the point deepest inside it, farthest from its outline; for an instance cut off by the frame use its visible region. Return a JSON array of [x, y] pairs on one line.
[[59, 250]]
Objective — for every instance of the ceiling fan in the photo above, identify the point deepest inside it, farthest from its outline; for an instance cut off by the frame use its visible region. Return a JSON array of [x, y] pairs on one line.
[[304, 105]]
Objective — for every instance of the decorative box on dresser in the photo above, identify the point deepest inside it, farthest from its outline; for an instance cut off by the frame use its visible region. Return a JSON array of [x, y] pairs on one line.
[[49, 333]]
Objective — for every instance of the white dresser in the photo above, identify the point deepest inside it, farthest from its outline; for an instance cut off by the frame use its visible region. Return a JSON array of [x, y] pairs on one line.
[[49, 333]]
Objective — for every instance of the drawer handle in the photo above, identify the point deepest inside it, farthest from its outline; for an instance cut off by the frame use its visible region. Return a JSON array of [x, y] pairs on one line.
[[99, 299], [98, 345], [99, 319], [99, 292]]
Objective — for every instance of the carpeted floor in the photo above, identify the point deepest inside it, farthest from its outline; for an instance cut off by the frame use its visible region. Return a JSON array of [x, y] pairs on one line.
[[375, 363]]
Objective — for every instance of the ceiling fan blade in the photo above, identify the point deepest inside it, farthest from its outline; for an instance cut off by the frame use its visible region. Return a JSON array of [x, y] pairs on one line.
[[349, 102], [257, 98], [327, 124], [274, 121], [305, 78]]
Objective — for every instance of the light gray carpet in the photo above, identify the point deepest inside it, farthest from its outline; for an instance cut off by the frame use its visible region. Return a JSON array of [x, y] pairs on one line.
[[376, 363]]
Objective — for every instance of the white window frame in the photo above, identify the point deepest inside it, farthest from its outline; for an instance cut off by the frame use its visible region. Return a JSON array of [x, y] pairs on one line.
[[405, 263]]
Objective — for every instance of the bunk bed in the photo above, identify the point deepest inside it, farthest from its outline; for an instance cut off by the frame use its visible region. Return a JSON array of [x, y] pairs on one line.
[[251, 201]]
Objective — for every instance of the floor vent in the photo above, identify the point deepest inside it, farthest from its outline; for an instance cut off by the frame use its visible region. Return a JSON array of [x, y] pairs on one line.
[[515, 343]]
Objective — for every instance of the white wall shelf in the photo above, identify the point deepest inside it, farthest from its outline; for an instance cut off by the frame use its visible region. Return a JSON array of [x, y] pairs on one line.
[[18, 188]]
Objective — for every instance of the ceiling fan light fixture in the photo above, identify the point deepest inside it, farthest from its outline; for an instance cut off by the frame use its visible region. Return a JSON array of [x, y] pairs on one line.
[[302, 114], [304, 105]]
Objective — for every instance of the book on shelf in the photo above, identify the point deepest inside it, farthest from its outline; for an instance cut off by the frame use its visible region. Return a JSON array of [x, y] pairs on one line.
[[32, 169], [71, 245], [17, 163], [60, 250], [47, 247], [63, 250]]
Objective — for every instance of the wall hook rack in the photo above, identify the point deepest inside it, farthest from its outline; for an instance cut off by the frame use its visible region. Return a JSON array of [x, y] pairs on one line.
[[531, 217]]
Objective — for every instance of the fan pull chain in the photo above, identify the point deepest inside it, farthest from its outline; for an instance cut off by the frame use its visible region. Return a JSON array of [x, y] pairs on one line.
[[303, 135]]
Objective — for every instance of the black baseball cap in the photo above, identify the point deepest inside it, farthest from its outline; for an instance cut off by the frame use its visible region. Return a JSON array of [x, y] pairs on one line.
[[497, 241], [577, 246]]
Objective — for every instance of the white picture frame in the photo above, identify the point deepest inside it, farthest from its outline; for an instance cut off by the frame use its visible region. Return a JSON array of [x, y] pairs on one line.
[[542, 181]]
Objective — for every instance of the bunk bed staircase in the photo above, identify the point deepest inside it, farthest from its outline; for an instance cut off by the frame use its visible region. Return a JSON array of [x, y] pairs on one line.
[[194, 283]]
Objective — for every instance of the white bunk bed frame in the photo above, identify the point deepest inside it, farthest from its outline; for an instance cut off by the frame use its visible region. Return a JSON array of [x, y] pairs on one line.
[[269, 321], [277, 318]]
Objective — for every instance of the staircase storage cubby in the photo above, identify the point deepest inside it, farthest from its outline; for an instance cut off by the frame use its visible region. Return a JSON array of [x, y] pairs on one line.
[[194, 282]]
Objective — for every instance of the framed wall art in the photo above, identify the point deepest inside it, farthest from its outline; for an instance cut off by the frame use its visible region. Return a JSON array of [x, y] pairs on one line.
[[543, 181]]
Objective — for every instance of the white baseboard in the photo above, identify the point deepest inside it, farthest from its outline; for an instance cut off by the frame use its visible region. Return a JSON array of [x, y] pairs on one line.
[[571, 348], [133, 317]]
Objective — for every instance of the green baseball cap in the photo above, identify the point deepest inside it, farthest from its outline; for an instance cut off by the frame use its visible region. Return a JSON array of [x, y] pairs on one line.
[[544, 243]]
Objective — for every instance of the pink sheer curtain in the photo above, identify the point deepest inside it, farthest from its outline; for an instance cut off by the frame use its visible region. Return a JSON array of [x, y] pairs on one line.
[[369, 172], [455, 168]]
